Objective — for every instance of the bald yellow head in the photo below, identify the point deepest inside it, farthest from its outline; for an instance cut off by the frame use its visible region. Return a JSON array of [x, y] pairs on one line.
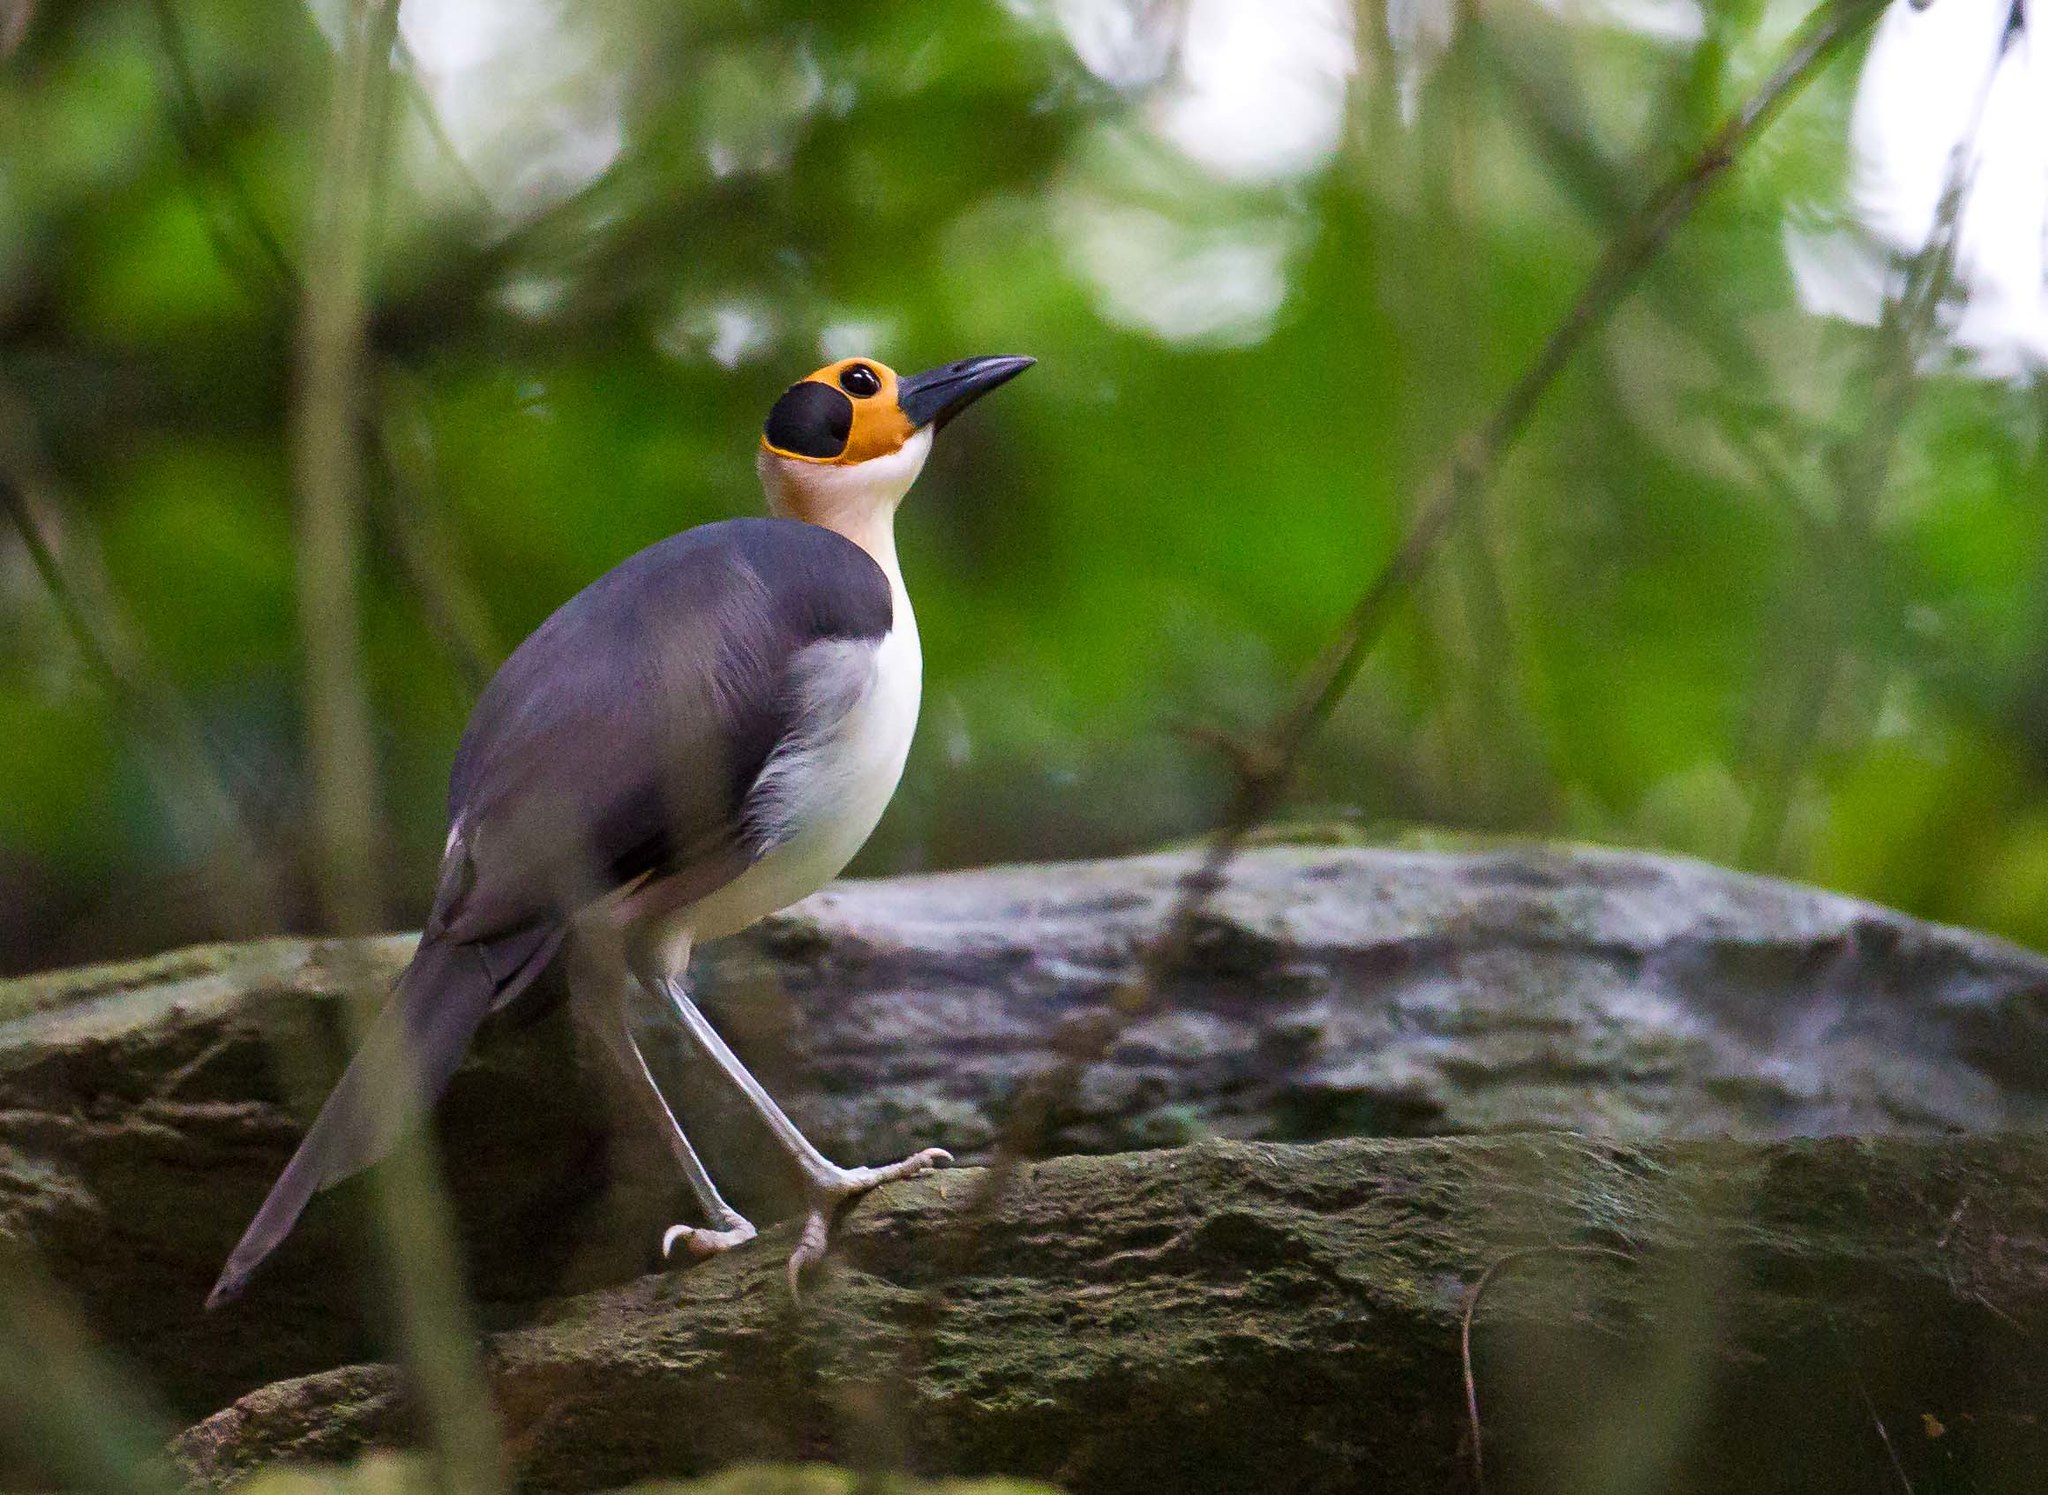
[[856, 410], [844, 413], [843, 444]]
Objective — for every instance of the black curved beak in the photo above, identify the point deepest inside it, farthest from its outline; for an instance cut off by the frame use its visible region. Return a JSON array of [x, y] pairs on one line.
[[937, 395]]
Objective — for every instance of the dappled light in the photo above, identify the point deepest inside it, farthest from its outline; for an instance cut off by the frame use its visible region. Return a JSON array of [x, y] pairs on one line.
[[1271, 256], [1955, 90]]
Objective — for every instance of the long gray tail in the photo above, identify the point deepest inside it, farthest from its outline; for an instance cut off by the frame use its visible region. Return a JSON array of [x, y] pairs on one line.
[[412, 1051]]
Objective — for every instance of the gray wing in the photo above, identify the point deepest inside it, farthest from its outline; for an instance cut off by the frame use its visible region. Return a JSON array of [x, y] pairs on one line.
[[620, 740]]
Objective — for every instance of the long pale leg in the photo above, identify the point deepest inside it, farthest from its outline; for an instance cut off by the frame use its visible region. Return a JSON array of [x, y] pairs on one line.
[[826, 1185], [728, 1227]]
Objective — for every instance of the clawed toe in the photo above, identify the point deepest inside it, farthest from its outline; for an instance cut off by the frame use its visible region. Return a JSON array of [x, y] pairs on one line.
[[830, 1193], [853, 1181], [701, 1242], [931, 1159], [810, 1246], [826, 1196]]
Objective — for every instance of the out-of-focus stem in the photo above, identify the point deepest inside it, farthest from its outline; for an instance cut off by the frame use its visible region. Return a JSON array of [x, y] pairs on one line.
[[416, 1244], [329, 424], [416, 526], [61, 1403], [340, 752], [1861, 466], [1266, 764], [202, 811], [453, 610]]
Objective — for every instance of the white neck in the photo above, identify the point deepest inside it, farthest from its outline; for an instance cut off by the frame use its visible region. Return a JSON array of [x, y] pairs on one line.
[[858, 501]]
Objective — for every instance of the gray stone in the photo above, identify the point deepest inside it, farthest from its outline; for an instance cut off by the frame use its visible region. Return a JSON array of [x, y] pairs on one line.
[[1823, 1316], [145, 1108]]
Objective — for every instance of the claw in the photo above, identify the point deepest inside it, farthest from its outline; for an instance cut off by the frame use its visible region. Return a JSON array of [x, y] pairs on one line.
[[829, 1194], [810, 1247], [919, 1163], [701, 1243]]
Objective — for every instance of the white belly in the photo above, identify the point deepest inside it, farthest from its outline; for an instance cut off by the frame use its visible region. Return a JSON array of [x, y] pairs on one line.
[[824, 791]]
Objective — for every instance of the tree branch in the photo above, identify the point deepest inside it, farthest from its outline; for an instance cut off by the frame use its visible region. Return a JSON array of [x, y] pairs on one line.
[[204, 813], [1267, 763]]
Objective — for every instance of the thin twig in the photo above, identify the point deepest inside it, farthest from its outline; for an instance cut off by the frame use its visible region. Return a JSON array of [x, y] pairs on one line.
[[1869, 1407], [85, 634], [1267, 762], [211, 162], [197, 801], [416, 1235], [1862, 467], [1494, 1269], [413, 521], [420, 99], [452, 609], [1481, 649]]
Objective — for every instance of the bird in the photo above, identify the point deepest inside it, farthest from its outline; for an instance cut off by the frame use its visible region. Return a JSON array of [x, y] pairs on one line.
[[704, 735]]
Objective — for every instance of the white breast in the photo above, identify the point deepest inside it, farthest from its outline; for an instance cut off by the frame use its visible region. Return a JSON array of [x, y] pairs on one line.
[[827, 785]]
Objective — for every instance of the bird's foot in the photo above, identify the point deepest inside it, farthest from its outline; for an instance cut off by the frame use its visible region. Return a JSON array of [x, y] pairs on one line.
[[702, 1241], [829, 1192]]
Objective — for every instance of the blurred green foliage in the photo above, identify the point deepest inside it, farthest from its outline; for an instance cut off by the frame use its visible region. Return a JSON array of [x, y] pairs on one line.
[[1680, 619]]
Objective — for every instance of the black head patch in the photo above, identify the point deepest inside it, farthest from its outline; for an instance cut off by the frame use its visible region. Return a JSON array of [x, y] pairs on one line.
[[810, 420]]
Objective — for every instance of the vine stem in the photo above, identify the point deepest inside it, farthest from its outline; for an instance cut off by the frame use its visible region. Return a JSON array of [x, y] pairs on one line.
[[1265, 764]]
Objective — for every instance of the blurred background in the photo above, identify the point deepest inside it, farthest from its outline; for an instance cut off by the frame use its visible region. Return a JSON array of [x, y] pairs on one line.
[[1765, 581]]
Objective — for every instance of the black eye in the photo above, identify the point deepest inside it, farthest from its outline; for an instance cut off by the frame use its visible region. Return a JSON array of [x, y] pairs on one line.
[[860, 381]]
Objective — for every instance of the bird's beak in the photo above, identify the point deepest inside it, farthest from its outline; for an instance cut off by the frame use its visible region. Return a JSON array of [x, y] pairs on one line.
[[937, 395]]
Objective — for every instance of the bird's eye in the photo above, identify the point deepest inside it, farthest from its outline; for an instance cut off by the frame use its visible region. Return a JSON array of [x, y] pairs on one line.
[[859, 381]]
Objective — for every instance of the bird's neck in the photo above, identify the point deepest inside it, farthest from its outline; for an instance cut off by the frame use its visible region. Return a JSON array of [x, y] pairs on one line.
[[876, 534], [857, 500]]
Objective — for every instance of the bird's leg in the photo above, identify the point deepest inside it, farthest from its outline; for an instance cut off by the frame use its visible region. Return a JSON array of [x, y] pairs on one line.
[[827, 1186], [727, 1227]]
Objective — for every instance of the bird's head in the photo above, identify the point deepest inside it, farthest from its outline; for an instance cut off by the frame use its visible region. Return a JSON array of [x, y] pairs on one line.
[[843, 445]]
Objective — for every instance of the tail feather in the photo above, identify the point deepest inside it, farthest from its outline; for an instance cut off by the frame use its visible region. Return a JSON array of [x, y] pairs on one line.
[[407, 1060]]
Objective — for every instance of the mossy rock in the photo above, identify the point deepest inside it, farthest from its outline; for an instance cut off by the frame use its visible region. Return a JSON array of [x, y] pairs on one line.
[[399, 1474], [1710, 1316], [1334, 990]]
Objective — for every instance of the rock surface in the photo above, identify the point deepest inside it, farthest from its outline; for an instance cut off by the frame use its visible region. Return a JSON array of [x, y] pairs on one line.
[[384, 1474], [398, 1475], [144, 1109], [1814, 1316]]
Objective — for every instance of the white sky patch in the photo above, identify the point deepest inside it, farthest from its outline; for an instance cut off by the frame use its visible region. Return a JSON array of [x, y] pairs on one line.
[[533, 296], [755, 106], [729, 333], [1260, 91], [1217, 284], [1836, 274], [1928, 82], [1172, 219], [522, 92], [854, 337], [1125, 43], [1419, 32], [1676, 21], [1251, 90]]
